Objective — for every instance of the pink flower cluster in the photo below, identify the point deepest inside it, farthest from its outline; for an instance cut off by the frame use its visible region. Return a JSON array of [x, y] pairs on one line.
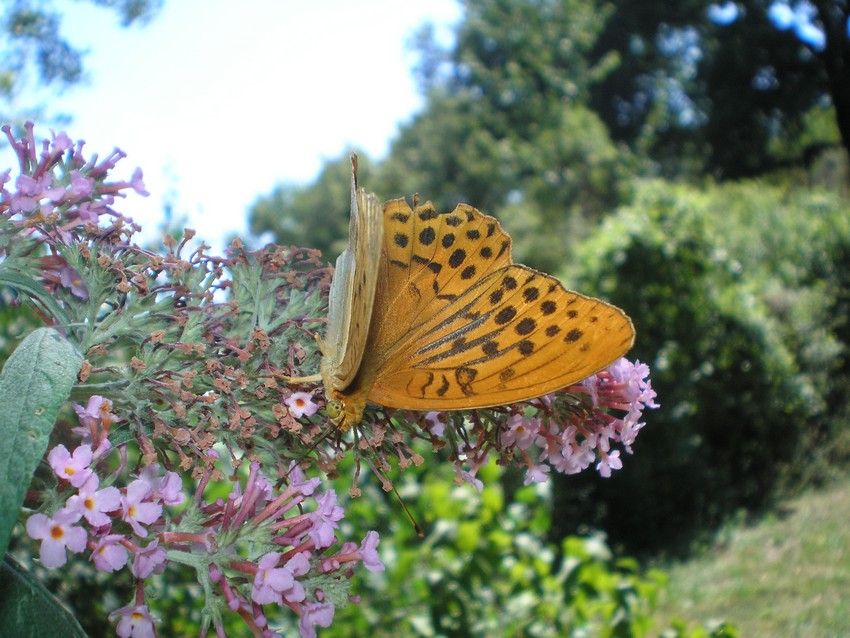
[[247, 585], [60, 191], [623, 386], [40, 188], [567, 437], [127, 525]]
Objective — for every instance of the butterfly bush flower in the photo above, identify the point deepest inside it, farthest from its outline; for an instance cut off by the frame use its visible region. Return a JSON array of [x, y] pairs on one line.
[[187, 368], [94, 504], [568, 431], [74, 468], [321, 614], [96, 418], [134, 621], [108, 554], [57, 533], [254, 512], [301, 404], [149, 560], [139, 507]]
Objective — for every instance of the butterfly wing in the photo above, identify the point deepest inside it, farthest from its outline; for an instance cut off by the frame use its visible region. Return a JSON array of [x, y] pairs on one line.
[[352, 290], [429, 260], [460, 326]]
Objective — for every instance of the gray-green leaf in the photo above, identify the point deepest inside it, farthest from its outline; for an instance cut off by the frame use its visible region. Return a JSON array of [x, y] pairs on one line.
[[28, 610], [35, 382]]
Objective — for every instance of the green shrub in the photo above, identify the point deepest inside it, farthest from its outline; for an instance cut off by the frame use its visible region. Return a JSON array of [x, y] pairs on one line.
[[738, 294], [483, 569]]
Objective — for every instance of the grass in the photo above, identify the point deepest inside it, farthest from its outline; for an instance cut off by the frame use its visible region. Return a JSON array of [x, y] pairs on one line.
[[786, 575]]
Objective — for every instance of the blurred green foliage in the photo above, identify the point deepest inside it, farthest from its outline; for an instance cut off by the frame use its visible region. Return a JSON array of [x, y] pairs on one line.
[[739, 297], [700, 96], [483, 569]]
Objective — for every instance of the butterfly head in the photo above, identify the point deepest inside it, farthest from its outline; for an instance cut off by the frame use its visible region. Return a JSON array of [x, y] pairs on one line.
[[334, 409], [345, 412]]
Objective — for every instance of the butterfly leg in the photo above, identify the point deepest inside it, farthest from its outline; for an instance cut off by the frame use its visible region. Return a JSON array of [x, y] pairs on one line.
[[313, 378]]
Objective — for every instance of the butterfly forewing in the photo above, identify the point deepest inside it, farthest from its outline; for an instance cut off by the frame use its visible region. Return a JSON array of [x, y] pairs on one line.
[[430, 259], [438, 256], [501, 334]]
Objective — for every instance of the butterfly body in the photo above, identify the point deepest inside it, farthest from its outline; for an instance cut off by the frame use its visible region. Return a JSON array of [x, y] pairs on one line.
[[452, 323]]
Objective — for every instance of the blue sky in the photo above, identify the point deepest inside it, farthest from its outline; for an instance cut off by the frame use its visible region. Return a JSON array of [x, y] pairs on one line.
[[218, 101]]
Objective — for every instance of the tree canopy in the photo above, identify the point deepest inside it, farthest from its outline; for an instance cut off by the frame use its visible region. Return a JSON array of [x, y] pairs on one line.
[[36, 53], [722, 85], [542, 110]]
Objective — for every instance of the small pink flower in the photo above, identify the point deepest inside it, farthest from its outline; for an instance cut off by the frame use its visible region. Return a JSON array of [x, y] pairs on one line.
[[93, 504], [298, 483], [433, 423], [57, 533], [137, 183], [135, 622], [369, 552], [272, 584], [137, 510], [521, 432], [324, 519], [96, 419], [149, 560], [82, 185], [61, 141], [74, 468], [321, 614], [301, 404], [609, 462], [536, 474], [110, 555], [72, 280], [88, 212], [164, 488], [97, 408], [470, 478]]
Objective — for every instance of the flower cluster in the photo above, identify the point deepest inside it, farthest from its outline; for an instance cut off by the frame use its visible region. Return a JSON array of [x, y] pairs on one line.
[[187, 364], [59, 192], [566, 431], [254, 549]]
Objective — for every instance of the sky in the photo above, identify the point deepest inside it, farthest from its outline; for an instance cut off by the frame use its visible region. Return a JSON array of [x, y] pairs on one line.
[[218, 101]]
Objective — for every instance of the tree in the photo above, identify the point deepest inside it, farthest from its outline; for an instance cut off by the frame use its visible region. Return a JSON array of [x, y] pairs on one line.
[[35, 50], [505, 128], [499, 99], [706, 86]]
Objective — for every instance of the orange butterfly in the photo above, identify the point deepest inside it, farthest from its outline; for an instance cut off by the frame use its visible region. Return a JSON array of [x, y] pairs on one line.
[[428, 312]]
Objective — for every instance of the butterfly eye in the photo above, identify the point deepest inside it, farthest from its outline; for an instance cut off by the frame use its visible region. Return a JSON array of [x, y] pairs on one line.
[[334, 409]]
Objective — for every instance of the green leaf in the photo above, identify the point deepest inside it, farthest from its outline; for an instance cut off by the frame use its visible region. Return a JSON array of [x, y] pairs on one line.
[[34, 384], [34, 291], [28, 609]]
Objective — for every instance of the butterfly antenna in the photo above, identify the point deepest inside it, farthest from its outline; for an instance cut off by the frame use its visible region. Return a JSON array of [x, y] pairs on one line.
[[322, 437], [412, 520], [353, 173], [310, 449]]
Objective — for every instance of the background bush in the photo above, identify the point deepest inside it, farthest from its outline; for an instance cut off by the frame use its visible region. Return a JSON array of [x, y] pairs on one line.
[[739, 295]]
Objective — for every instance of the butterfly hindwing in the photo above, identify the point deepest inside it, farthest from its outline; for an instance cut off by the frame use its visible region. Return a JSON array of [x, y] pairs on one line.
[[352, 290]]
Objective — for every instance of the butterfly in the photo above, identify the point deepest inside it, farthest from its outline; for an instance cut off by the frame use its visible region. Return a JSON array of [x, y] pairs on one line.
[[427, 311]]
